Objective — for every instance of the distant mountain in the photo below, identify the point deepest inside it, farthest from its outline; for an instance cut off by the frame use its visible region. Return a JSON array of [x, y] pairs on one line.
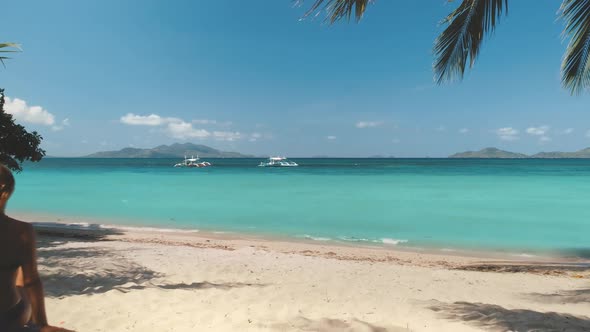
[[497, 153], [380, 156], [176, 150], [489, 153], [584, 153]]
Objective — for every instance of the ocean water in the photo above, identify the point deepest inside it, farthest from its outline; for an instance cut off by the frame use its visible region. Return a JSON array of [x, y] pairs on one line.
[[514, 205]]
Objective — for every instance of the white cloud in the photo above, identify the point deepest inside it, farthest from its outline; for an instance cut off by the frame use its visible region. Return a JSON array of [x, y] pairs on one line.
[[463, 130], [542, 131], [568, 131], [507, 134], [184, 130], [64, 123], [31, 114], [212, 122], [156, 120], [146, 120], [368, 124], [174, 127], [227, 135], [537, 131], [254, 137], [204, 121], [180, 129], [331, 138]]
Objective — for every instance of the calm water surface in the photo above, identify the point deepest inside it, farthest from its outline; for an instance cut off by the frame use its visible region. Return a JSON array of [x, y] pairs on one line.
[[452, 203]]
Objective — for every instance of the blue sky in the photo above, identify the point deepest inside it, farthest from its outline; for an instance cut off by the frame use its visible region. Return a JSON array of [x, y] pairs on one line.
[[252, 77]]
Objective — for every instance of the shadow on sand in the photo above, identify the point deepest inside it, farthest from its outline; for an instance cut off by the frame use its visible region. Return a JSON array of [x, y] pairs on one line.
[[334, 325], [88, 232], [75, 265], [544, 268], [494, 317], [570, 296]]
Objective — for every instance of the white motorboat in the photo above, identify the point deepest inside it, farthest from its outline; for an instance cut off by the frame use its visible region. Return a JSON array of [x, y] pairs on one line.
[[192, 162], [278, 162]]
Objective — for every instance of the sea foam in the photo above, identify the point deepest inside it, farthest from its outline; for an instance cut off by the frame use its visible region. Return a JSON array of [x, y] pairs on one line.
[[394, 242], [387, 241], [316, 238]]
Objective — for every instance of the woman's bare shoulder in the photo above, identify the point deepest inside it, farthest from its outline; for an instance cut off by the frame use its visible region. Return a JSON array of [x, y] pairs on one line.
[[16, 231], [22, 227]]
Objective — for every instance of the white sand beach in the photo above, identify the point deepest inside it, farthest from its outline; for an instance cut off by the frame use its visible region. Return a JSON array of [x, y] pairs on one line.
[[150, 281]]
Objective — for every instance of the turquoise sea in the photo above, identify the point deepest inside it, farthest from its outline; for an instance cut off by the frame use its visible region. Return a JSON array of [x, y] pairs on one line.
[[508, 205]]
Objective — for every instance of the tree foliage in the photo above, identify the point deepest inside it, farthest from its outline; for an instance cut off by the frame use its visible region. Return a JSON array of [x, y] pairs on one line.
[[466, 26], [16, 144]]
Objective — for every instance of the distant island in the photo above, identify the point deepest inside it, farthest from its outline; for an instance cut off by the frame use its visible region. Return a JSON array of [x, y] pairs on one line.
[[176, 150], [497, 153], [584, 153], [488, 153], [179, 150], [379, 156]]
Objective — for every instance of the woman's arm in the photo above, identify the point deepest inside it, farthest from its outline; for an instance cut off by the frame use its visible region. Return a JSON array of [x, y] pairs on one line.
[[31, 280]]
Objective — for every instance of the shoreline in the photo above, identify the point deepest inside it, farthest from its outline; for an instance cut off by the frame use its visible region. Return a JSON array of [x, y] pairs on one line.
[[73, 224], [449, 260]]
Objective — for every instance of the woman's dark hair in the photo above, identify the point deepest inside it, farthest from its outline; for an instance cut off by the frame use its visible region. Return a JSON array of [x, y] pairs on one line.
[[6, 180]]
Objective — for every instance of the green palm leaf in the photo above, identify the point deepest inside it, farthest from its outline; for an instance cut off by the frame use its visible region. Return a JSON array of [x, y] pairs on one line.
[[575, 69], [8, 48], [339, 9], [467, 26]]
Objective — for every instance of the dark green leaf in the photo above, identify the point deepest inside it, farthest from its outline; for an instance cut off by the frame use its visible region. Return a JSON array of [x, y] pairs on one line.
[[460, 42], [339, 9], [575, 69]]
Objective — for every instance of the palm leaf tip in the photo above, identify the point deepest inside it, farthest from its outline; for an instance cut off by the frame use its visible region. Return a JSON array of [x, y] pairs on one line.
[[339, 9], [461, 40], [575, 68], [2, 58], [12, 47]]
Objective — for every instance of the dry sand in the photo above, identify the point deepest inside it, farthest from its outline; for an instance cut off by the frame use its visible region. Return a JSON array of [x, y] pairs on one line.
[[152, 281]]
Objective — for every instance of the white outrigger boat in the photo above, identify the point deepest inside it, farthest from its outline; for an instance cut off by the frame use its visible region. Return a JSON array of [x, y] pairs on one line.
[[192, 162], [278, 162]]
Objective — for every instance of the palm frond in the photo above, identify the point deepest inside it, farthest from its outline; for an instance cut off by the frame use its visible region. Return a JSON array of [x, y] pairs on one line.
[[467, 27], [12, 47], [575, 68], [339, 9]]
